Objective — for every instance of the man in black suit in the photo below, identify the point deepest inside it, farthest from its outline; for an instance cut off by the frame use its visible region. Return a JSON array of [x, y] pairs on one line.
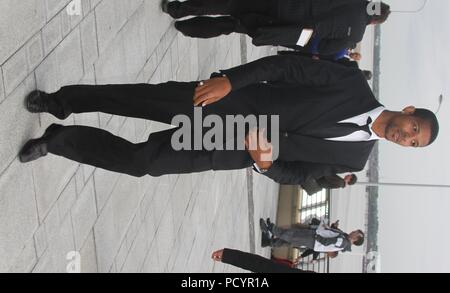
[[335, 181], [339, 24], [329, 121], [252, 262], [314, 185]]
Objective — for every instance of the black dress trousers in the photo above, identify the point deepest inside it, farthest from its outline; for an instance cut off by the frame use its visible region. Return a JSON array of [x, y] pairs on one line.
[[155, 157], [236, 16]]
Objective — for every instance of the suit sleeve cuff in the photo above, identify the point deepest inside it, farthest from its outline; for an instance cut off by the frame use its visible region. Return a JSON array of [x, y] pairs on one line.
[[230, 256], [237, 79], [256, 168]]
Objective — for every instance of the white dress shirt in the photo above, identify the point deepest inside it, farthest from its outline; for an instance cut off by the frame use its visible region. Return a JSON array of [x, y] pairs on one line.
[[324, 232], [361, 120], [357, 136]]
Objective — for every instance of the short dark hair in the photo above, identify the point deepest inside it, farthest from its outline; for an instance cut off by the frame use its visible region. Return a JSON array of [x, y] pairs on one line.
[[383, 16], [429, 116], [353, 180], [367, 74], [360, 240]]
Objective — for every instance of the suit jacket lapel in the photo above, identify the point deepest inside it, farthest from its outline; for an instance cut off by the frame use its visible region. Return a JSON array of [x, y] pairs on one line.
[[315, 150], [343, 111]]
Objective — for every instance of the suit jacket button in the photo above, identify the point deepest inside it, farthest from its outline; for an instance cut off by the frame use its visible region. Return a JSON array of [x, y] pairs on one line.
[[286, 134]]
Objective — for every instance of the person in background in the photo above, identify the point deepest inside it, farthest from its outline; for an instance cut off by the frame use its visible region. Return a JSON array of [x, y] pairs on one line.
[[320, 239], [368, 74], [312, 185], [252, 262], [313, 223], [355, 56], [337, 24]]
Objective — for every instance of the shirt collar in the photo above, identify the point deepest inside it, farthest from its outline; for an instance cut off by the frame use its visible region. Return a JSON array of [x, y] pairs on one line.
[[374, 114]]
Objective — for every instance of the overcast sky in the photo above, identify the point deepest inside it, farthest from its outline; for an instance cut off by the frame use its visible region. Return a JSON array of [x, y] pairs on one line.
[[414, 223]]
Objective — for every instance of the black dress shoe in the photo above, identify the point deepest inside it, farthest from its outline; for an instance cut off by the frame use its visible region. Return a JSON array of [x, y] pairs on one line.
[[37, 148], [165, 6], [33, 150], [265, 240], [270, 225], [171, 8], [37, 102], [263, 226]]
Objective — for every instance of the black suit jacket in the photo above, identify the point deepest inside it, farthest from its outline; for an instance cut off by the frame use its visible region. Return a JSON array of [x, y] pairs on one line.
[[347, 62], [308, 95], [339, 24], [331, 182], [343, 61], [312, 185]]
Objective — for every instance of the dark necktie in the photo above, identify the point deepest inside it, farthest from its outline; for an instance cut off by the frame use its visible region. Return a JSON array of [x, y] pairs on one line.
[[343, 129]]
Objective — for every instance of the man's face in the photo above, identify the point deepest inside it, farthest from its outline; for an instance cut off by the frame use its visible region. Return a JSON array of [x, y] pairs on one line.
[[355, 56], [347, 179], [409, 131], [354, 236]]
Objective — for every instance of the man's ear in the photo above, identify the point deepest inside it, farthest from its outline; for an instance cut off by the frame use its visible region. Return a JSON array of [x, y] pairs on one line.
[[409, 110]]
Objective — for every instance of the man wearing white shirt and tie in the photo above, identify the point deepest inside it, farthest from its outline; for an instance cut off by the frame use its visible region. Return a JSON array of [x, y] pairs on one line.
[[322, 238], [363, 125], [329, 122]]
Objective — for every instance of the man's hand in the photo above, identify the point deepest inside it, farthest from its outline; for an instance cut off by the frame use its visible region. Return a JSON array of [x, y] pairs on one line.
[[218, 255], [259, 148], [211, 91], [335, 225]]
